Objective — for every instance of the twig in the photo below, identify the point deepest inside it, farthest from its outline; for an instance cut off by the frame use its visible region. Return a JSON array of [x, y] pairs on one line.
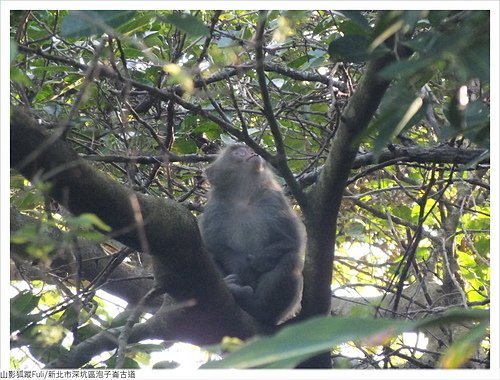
[[131, 320]]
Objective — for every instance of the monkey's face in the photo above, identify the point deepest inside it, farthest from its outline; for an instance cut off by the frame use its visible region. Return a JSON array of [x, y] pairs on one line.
[[243, 155], [236, 164]]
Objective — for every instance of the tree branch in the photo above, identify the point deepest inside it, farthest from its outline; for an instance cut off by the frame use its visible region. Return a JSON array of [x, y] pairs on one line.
[[266, 99], [217, 77], [441, 154], [280, 160]]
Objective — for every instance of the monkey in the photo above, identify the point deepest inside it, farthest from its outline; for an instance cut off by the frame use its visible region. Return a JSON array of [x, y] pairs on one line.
[[253, 235]]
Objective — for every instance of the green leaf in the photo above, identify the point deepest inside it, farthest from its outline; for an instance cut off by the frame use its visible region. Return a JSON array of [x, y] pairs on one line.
[[88, 330], [298, 62], [82, 24], [350, 27], [351, 48], [129, 363], [473, 122], [464, 347], [24, 302], [69, 317], [184, 145], [406, 68], [152, 40], [44, 93], [166, 364], [20, 308], [403, 212], [355, 229], [187, 23], [140, 22], [300, 341], [358, 18], [400, 109], [294, 344], [437, 17], [456, 315], [17, 182], [210, 129], [38, 243], [482, 245], [87, 220], [13, 50], [354, 48]]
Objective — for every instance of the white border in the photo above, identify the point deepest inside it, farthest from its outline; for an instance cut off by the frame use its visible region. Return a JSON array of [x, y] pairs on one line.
[[495, 185], [492, 5], [248, 4]]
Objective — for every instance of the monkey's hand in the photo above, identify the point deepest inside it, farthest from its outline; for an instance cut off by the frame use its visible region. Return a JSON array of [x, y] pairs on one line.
[[233, 282]]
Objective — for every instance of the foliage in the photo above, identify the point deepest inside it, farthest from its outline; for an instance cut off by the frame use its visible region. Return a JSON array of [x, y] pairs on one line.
[[412, 232], [294, 344]]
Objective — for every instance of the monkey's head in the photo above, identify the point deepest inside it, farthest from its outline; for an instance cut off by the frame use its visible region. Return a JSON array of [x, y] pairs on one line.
[[236, 162]]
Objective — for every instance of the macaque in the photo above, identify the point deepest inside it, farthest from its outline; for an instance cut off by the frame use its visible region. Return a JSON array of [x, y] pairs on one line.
[[253, 234]]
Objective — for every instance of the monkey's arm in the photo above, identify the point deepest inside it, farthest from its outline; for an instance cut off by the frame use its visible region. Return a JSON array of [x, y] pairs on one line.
[[268, 258], [286, 236]]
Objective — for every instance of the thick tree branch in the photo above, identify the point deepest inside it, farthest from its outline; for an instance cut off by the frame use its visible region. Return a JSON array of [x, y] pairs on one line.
[[328, 190]]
